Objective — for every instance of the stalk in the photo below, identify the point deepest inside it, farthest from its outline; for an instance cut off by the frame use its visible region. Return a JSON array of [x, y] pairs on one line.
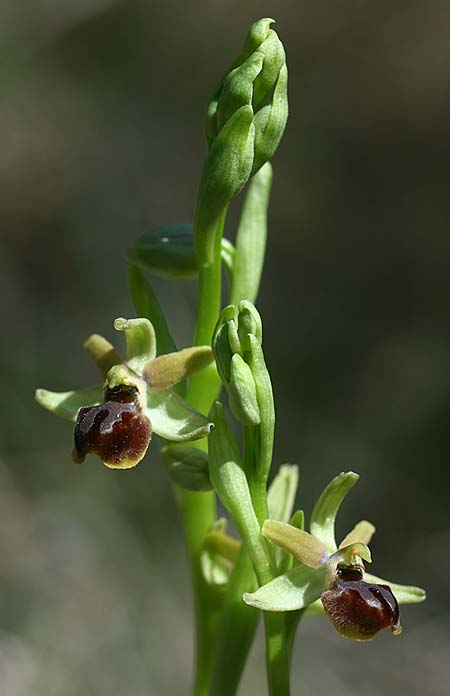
[[198, 510]]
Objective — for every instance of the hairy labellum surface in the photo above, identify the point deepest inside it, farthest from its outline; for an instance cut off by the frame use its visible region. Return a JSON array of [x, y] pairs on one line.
[[116, 431], [359, 609]]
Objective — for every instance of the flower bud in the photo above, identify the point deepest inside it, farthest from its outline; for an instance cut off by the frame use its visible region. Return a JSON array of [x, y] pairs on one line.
[[358, 609], [258, 78], [242, 393]]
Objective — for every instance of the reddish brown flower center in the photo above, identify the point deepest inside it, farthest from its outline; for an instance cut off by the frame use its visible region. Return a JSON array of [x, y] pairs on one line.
[[116, 431], [359, 609]]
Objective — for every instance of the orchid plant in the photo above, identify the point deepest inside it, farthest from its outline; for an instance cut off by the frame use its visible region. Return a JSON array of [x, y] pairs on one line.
[[275, 568]]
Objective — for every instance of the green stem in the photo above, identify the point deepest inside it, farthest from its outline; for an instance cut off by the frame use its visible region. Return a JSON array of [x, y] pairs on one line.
[[277, 655], [257, 484], [235, 631], [198, 510]]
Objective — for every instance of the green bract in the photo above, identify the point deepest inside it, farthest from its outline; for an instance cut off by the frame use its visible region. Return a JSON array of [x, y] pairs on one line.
[[127, 395], [318, 559]]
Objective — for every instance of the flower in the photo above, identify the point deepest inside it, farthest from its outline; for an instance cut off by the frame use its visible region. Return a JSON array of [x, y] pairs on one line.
[[115, 420], [323, 577]]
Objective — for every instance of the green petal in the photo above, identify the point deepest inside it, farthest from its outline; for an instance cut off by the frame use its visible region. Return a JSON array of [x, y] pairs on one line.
[[404, 594], [164, 372], [305, 547], [361, 533], [141, 341], [66, 404], [326, 508], [282, 493], [174, 419], [102, 353], [295, 590]]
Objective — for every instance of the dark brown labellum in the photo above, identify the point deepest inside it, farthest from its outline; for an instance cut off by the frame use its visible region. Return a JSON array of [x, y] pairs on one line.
[[116, 431], [359, 609]]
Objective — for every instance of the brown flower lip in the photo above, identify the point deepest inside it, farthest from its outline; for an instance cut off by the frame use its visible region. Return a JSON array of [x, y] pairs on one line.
[[359, 609], [116, 431]]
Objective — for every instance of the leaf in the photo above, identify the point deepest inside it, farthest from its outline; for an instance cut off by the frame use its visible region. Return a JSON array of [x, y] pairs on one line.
[[67, 404], [361, 533], [147, 306], [164, 372], [282, 492], [325, 510], [404, 594], [187, 466], [306, 548], [167, 252], [141, 341], [294, 590], [174, 419], [251, 238]]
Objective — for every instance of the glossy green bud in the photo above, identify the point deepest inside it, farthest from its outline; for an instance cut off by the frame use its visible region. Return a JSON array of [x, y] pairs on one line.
[[166, 251], [257, 78], [225, 173], [242, 393], [249, 324], [187, 466]]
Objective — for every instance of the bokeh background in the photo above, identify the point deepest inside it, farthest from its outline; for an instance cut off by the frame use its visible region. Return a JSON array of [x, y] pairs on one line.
[[101, 139]]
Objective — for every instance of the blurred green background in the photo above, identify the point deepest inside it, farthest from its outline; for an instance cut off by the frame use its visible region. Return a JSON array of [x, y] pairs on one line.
[[101, 139]]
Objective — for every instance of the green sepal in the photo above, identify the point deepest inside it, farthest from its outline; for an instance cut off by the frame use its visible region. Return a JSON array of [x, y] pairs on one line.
[[225, 173], [294, 590], [172, 418], [270, 122], [102, 353], [325, 510], [141, 341], [147, 306], [251, 238], [305, 547], [404, 594], [165, 371], [67, 404], [242, 393], [282, 492], [187, 466]]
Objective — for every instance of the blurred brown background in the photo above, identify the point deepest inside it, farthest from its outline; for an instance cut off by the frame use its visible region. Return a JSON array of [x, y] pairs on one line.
[[101, 138]]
